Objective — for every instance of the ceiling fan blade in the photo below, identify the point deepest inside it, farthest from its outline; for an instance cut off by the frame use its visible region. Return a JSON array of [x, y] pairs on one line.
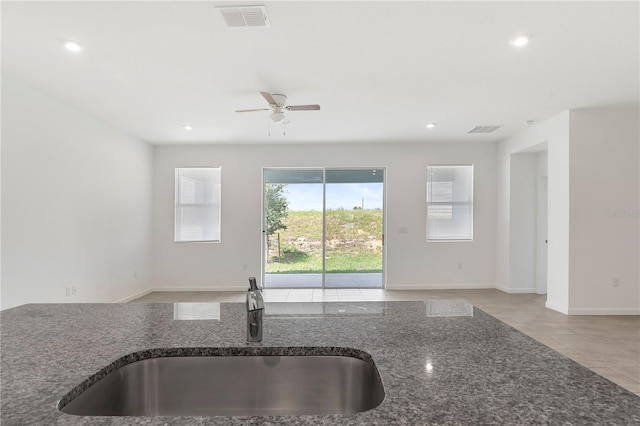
[[251, 110], [303, 107], [269, 98]]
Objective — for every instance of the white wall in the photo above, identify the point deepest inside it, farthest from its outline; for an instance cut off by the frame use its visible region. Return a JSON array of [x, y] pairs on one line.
[[411, 261], [76, 203], [593, 202], [555, 133], [78, 197], [542, 161], [605, 181]]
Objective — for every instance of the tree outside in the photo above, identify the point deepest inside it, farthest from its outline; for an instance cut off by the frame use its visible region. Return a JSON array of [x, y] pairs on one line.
[[276, 210]]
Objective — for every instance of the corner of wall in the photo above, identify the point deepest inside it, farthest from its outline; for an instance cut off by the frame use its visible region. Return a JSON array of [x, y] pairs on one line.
[[555, 132], [604, 229], [94, 182]]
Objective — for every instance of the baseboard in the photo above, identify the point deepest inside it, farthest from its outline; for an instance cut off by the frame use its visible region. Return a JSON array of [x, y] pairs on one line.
[[175, 289], [440, 287], [603, 311], [592, 311], [558, 308], [208, 288], [134, 296], [515, 290]]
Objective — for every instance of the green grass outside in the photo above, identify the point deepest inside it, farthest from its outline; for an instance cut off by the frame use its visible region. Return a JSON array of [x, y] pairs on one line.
[[353, 242]]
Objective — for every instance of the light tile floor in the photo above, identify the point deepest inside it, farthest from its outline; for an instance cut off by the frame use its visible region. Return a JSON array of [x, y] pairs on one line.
[[608, 345]]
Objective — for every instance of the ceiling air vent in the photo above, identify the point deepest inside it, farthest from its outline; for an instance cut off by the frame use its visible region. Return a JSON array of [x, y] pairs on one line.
[[245, 16], [484, 129]]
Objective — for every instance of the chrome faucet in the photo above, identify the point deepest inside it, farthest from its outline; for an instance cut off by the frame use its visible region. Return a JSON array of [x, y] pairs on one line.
[[255, 310]]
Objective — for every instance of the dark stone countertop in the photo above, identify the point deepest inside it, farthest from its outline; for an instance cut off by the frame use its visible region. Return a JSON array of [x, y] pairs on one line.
[[441, 362]]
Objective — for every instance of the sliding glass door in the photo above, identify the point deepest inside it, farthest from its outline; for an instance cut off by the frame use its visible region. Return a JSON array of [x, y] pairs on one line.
[[293, 228], [353, 228], [323, 228]]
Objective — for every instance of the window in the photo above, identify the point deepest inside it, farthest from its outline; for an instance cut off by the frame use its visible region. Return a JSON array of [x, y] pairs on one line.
[[450, 203], [197, 213]]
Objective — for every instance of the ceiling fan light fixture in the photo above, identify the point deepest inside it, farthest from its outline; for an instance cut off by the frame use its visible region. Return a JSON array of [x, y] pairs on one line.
[[277, 116], [278, 107]]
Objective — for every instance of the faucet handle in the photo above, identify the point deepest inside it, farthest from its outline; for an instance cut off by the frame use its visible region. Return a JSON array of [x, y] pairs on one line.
[[255, 302], [254, 296]]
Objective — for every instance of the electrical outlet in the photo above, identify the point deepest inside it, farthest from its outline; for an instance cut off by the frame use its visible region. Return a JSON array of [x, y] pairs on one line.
[[74, 290], [459, 265], [67, 290], [616, 282], [244, 267]]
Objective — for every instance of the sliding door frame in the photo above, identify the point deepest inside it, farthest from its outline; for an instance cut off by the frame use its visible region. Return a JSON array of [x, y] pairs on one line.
[[324, 218]]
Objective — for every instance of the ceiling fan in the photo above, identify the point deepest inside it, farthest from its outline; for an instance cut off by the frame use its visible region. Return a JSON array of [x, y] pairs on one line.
[[278, 106]]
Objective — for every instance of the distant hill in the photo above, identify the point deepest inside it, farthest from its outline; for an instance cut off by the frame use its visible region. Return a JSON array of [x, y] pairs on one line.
[[354, 242]]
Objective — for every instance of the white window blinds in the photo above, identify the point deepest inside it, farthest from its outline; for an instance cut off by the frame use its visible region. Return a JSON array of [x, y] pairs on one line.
[[197, 215], [449, 203]]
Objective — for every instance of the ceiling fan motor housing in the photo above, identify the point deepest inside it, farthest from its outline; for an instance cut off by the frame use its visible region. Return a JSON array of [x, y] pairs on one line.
[[281, 100]]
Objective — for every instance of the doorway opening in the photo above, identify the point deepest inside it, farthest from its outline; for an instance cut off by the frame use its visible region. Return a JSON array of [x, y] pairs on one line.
[[528, 206], [323, 228]]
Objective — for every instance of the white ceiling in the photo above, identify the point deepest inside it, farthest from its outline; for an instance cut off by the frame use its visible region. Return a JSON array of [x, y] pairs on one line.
[[380, 70]]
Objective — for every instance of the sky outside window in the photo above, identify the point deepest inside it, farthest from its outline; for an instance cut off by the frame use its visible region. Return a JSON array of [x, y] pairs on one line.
[[339, 195]]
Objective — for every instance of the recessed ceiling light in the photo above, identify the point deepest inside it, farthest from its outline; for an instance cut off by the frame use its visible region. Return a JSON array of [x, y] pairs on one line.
[[187, 126], [519, 41], [73, 46], [431, 125]]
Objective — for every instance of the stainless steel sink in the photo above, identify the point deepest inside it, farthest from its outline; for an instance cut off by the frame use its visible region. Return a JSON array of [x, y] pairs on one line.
[[233, 386]]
